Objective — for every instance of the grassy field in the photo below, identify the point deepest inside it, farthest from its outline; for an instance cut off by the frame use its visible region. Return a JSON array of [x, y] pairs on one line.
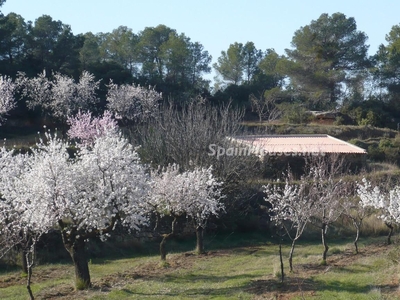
[[238, 272]]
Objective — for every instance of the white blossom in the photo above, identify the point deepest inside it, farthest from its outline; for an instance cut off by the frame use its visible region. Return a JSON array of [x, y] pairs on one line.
[[387, 203], [103, 184], [291, 203], [61, 96], [7, 90], [132, 102], [196, 193]]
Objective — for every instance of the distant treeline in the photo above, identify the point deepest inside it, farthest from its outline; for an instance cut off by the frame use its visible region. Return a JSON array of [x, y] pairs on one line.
[[327, 67]]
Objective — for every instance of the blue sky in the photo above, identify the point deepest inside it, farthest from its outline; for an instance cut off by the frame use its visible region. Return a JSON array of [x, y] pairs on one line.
[[214, 23]]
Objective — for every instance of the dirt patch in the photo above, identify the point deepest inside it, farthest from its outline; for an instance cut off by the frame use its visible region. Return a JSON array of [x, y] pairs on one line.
[[11, 280], [293, 286], [38, 275]]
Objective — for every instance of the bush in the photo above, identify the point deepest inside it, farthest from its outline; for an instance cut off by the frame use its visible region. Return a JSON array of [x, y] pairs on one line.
[[375, 153], [385, 143]]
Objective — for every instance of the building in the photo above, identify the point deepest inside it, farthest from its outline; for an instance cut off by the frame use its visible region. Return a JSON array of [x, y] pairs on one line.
[[296, 145], [283, 150]]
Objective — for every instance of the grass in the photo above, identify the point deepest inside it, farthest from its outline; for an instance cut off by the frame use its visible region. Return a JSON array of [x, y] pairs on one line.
[[237, 272]]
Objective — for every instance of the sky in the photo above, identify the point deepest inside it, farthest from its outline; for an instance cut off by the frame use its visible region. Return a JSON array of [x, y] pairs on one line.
[[214, 23]]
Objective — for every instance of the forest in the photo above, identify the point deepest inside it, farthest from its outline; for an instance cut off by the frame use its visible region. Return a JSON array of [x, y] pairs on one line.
[[326, 68]]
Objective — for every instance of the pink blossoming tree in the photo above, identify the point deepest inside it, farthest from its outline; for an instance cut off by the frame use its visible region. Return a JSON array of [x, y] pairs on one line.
[[84, 128]]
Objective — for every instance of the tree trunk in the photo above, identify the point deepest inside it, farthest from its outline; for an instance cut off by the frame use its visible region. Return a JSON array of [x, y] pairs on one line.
[[29, 265], [357, 236], [76, 248], [163, 251], [390, 226], [326, 248], [281, 261], [24, 262], [291, 255], [199, 240]]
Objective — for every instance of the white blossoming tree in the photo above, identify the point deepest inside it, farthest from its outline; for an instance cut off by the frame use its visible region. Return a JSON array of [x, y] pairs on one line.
[[59, 96], [384, 200], [327, 191], [316, 199], [20, 224], [132, 102], [291, 207], [354, 210], [85, 196], [11, 230], [196, 194], [7, 100]]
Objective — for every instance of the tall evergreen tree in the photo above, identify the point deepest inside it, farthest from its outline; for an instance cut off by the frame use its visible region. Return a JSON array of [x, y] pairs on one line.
[[12, 42], [326, 55], [387, 67]]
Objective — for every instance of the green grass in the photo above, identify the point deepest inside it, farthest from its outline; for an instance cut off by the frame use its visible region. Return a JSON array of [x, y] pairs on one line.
[[240, 272]]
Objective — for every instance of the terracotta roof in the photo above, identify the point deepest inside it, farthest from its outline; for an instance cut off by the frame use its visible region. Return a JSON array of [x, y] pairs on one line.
[[314, 143]]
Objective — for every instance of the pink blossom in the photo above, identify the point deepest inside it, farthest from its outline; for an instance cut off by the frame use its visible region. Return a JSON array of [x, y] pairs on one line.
[[85, 128]]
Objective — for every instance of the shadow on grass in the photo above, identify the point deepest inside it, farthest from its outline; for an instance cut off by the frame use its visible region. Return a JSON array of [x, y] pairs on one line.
[[299, 284], [360, 269], [193, 278], [350, 287], [248, 285], [179, 245], [206, 281]]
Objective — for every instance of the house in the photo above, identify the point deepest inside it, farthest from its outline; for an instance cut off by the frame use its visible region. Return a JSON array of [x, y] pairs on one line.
[[297, 145], [281, 150]]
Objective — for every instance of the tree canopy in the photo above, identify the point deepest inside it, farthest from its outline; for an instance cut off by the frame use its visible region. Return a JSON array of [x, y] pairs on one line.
[[326, 55], [326, 67]]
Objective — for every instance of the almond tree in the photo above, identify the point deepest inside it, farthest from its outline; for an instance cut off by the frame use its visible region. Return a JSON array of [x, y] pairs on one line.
[[85, 196], [7, 101], [293, 203], [112, 185], [59, 96], [356, 212], [7, 211], [132, 102], [20, 225], [85, 128], [381, 199], [203, 197], [196, 194], [327, 191]]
